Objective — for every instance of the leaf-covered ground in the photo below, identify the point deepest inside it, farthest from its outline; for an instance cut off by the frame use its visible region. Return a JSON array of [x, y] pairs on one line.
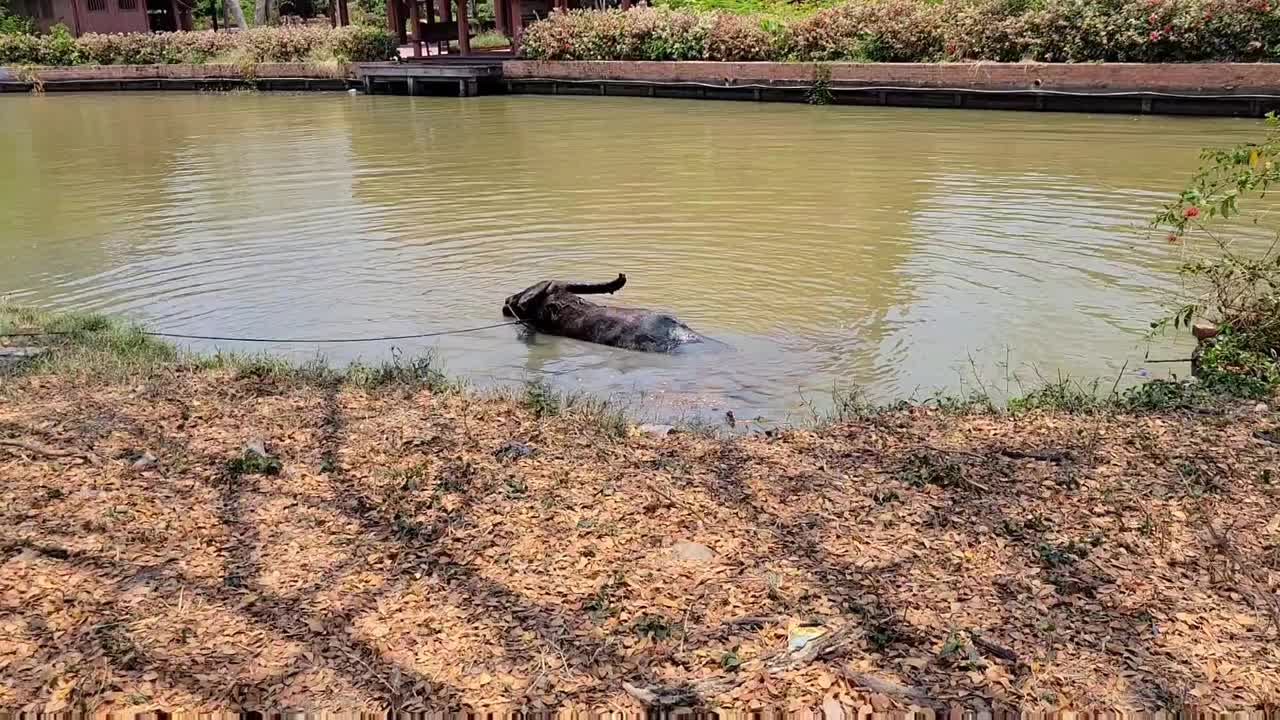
[[399, 556]]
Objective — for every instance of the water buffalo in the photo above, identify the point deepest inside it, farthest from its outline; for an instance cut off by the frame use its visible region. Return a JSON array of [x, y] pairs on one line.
[[555, 308]]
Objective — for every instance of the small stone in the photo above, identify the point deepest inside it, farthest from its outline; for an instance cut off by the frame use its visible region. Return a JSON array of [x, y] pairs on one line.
[[512, 450], [801, 635], [257, 446], [146, 461], [692, 552], [254, 459], [1203, 330], [655, 430]]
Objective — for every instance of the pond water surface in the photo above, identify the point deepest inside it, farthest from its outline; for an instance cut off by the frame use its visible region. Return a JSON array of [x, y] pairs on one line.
[[900, 250]]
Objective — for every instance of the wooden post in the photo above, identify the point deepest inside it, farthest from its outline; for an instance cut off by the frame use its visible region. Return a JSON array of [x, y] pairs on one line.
[[500, 16], [517, 26], [626, 4], [464, 30], [346, 13], [415, 17], [75, 16], [446, 11]]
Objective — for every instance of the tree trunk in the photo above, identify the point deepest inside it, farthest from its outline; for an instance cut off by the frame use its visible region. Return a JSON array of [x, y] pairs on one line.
[[262, 12], [234, 14]]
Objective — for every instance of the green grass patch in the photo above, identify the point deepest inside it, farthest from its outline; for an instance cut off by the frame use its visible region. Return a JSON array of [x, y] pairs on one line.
[[489, 40], [545, 402], [96, 346]]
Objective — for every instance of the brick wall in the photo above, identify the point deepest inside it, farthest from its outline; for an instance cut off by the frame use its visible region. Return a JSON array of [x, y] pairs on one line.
[[1198, 78]]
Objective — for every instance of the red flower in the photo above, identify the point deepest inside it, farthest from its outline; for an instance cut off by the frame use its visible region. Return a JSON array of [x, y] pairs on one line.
[[1155, 34], [1191, 212], [1173, 238], [1153, 18]]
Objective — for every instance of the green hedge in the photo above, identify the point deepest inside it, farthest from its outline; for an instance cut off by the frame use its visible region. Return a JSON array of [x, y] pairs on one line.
[[926, 31], [282, 44]]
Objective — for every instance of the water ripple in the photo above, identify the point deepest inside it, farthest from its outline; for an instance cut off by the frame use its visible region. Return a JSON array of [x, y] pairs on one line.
[[871, 246]]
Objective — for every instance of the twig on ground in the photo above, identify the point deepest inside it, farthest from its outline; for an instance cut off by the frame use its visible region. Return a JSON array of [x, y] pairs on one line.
[[684, 623], [1055, 456], [673, 502], [999, 651], [779, 661], [755, 620], [881, 685], [48, 451], [966, 453], [949, 451], [395, 694]]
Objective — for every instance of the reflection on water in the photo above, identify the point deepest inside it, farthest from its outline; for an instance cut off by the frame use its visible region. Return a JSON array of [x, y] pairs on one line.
[[884, 247]]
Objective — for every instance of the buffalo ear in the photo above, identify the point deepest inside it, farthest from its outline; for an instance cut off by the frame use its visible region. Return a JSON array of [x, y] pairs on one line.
[[533, 297]]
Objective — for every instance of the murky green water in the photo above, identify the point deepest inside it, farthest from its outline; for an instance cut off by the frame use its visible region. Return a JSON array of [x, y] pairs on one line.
[[884, 247]]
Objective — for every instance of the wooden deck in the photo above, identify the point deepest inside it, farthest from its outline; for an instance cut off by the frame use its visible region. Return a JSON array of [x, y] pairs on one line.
[[434, 75]]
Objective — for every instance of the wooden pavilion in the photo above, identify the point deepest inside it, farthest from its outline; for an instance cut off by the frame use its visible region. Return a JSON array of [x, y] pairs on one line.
[[426, 23]]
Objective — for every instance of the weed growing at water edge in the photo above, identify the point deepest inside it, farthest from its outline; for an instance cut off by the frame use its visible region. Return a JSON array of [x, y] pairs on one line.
[[545, 402], [540, 398], [819, 92], [1235, 296]]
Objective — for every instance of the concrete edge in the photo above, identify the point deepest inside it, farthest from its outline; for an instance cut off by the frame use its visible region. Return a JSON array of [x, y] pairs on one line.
[[1199, 79]]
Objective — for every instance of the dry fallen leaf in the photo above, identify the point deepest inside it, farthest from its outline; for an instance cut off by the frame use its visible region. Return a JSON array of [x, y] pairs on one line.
[[397, 555]]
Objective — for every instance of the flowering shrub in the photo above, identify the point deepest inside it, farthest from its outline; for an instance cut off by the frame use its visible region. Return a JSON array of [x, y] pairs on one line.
[[283, 44], [18, 49], [739, 38], [1152, 30], [1232, 300], [642, 33], [983, 30], [362, 43], [876, 30], [926, 31]]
